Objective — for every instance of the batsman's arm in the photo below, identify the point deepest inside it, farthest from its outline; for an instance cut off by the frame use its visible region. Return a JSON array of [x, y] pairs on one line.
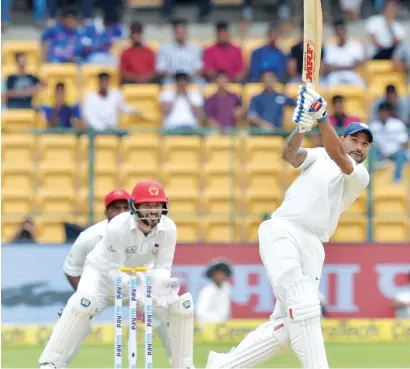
[[292, 152], [334, 148]]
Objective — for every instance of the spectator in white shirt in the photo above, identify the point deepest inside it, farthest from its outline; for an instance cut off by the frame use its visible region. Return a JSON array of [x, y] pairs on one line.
[[343, 58], [102, 108], [181, 107], [401, 302], [214, 299], [390, 138], [398, 103], [384, 31], [179, 56]]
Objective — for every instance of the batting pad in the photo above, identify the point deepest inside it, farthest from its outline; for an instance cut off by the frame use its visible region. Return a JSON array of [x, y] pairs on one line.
[[181, 332], [258, 346], [304, 327], [74, 351], [69, 331]]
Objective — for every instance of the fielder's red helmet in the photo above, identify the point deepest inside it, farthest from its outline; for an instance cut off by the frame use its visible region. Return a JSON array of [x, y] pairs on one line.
[[148, 191]]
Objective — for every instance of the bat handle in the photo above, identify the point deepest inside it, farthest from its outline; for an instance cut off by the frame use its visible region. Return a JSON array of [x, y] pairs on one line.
[[310, 85]]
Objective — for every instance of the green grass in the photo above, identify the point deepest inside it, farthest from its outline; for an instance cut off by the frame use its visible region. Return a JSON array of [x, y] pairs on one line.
[[340, 355]]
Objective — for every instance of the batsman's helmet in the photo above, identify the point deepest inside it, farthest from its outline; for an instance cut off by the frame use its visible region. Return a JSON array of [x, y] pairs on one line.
[[146, 192]]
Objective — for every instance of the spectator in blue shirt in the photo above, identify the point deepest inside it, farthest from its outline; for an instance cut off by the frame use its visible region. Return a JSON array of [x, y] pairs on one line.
[[266, 109], [62, 115], [269, 57], [61, 43], [21, 87], [97, 40]]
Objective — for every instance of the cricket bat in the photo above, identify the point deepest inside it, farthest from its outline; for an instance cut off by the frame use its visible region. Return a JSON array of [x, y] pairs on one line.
[[312, 41]]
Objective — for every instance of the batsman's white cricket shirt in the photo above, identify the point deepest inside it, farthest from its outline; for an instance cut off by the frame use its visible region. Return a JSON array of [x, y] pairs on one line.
[[124, 245], [321, 193], [85, 242], [214, 303]]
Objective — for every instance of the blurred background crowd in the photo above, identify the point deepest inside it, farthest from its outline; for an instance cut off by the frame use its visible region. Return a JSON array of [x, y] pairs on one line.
[[170, 91]]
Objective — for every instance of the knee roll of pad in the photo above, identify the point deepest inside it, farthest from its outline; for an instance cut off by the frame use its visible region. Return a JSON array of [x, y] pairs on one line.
[[304, 311], [183, 306], [83, 303]]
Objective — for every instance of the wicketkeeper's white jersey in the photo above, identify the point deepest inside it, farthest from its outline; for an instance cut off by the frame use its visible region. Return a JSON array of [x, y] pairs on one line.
[[124, 245], [85, 242], [321, 194]]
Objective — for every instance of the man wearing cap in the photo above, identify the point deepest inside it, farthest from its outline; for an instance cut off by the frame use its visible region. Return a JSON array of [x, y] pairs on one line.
[[142, 237], [290, 243], [214, 299], [115, 202]]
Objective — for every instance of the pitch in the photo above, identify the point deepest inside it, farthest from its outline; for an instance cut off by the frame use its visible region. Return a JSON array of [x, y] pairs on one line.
[[340, 355]]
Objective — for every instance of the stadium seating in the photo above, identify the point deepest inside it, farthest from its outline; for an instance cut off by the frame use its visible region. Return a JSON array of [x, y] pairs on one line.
[[61, 149], [351, 228], [18, 178], [223, 151], [15, 120], [9, 227], [17, 203], [391, 228], [90, 76], [30, 48], [17, 148]]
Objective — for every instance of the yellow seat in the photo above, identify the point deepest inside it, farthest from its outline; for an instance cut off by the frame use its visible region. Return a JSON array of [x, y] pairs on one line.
[[381, 73], [90, 74], [53, 177], [393, 200], [355, 99], [98, 207], [182, 150], [223, 150], [212, 88], [143, 97], [17, 148], [249, 46], [60, 203], [180, 178], [391, 229], [227, 2], [140, 148], [9, 227], [9, 49], [52, 74], [105, 179], [106, 151], [184, 202], [222, 179], [351, 228], [16, 203], [19, 178], [252, 224], [359, 206], [267, 150], [15, 120], [130, 174], [259, 203], [145, 3], [188, 228], [222, 203], [50, 229], [224, 229], [259, 177], [61, 149]]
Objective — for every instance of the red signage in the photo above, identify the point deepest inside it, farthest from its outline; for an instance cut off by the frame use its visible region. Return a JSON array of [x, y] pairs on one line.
[[357, 280], [309, 59]]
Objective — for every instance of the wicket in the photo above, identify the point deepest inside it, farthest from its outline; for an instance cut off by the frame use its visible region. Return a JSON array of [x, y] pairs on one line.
[[132, 336]]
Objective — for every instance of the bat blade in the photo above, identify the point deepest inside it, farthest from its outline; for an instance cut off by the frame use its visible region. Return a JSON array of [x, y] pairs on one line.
[[312, 41]]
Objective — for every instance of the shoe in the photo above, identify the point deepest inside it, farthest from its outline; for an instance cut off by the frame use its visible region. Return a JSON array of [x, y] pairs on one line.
[[215, 360]]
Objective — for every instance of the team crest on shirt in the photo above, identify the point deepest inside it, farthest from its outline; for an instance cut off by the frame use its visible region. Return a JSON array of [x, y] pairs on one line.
[[111, 248], [131, 250]]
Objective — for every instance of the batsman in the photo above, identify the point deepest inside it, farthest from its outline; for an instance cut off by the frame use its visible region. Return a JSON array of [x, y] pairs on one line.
[[142, 237]]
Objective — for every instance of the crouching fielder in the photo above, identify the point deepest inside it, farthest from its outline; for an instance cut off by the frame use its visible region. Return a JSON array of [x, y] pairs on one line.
[[143, 237], [290, 243]]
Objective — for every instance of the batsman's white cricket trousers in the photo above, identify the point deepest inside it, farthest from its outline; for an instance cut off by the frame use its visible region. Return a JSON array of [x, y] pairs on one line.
[[288, 253]]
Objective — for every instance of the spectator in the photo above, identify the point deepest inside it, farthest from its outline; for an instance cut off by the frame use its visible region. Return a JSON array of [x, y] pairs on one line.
[[214, 299], [391, 138], [339, 118], [180, 107], [138, 61], [97, 41], [399, 104], [3, 95], [269, 57], [343, 58], [223, 56], [102, 108], [26, 232], [351, 8], [401, 302], [266, 109], [401, 59], [385, 31], [179, 57], [295, 63], [61, 42], [61, 114], [21, 87], [223, 108]]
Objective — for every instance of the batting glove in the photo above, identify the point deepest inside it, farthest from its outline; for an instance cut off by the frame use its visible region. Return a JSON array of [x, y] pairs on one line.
[[164, 291], [312, 103], [303, 120]]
